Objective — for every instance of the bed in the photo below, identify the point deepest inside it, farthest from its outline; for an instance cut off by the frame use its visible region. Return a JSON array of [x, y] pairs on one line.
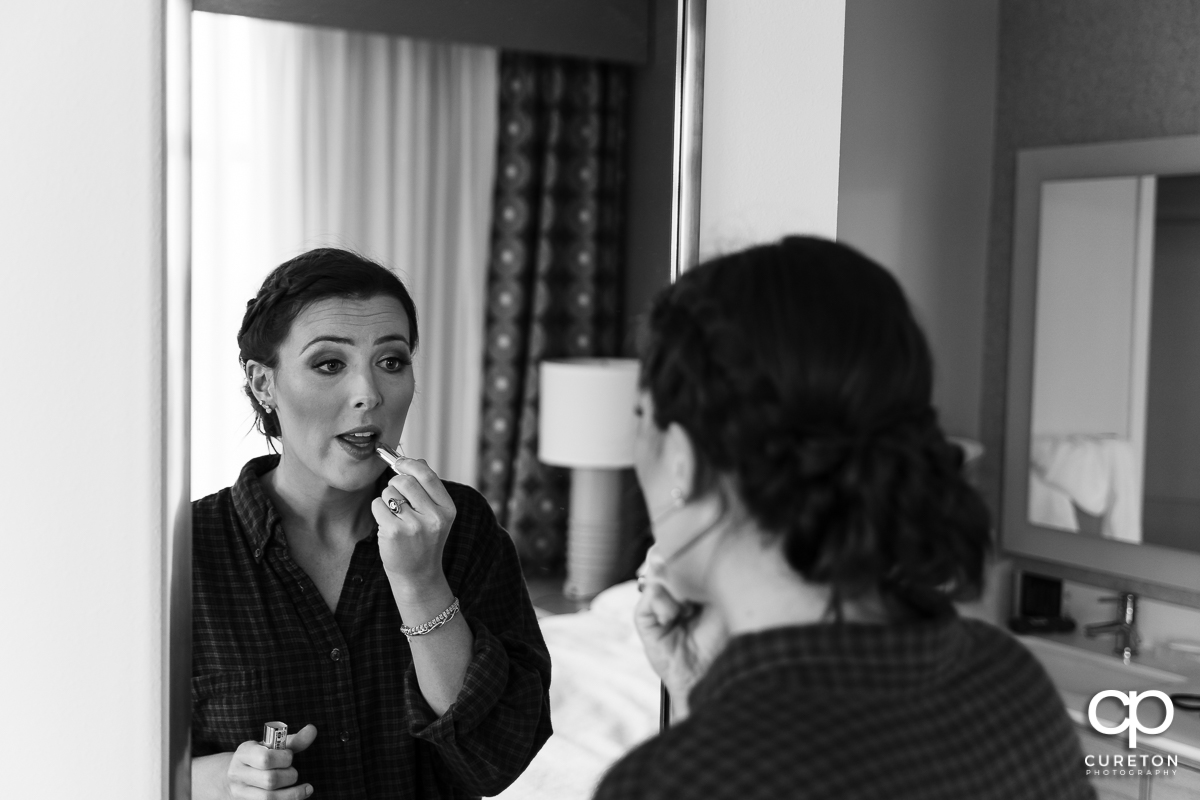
[[603, 698]]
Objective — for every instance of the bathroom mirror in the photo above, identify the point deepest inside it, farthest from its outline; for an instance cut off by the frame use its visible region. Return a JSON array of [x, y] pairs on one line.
[[661, 41], [1102, 462], [387, 133]]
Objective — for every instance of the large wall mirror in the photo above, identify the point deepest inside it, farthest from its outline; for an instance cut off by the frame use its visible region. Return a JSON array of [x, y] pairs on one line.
[[279, 117], [1102, 470]]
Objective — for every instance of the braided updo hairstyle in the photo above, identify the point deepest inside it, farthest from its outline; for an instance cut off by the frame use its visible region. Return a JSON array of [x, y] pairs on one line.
[[309, 277], [798, 371]]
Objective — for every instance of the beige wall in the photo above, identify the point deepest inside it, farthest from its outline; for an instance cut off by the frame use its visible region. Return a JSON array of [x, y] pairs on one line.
[[80, 481], [772, 101], [918, 108]]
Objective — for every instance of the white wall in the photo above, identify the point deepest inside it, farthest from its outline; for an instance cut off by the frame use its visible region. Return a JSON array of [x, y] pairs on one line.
[[772, 121], [80, 481], [885, 143], [918, 112], [1084, 337]]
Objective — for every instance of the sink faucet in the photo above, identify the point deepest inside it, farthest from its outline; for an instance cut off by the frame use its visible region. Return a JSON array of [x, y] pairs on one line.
[[1124, 626]]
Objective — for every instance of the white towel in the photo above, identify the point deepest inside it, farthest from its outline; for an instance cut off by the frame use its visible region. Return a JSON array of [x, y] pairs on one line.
[[1098, 473], [1049, 506]]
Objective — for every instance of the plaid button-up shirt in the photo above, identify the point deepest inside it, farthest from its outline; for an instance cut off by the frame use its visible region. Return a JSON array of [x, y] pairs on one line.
[[266, 647], [935, 711]]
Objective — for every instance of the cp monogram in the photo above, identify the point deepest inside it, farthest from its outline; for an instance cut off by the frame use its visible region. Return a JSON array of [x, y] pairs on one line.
[[1131, 722]]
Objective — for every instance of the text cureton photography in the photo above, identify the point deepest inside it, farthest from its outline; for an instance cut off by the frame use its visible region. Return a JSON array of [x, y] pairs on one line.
[[1132, 764]]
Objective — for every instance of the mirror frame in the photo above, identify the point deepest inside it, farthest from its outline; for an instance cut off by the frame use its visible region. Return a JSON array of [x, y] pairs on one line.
[[176, 597], [1161, 573]]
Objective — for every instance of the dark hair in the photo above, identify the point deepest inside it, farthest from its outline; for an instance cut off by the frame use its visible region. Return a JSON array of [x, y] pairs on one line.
[[799, 372], [315, 275]]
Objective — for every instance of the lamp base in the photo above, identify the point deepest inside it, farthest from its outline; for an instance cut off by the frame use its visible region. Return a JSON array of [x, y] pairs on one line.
[[593, 533]]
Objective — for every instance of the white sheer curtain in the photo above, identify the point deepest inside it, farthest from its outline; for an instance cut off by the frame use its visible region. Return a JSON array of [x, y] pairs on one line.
[[306, 137]]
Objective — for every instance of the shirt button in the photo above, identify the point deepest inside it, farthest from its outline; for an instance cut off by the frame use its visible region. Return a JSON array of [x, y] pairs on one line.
[[335, 654], [345, 736], [357, 580], [258, 552]]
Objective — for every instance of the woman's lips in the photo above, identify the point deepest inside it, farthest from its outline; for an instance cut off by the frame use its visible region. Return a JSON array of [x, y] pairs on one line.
[[360, 447]]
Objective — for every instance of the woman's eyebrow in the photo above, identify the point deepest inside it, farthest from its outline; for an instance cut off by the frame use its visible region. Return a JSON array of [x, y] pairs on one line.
[[391, 337], [334, 339]]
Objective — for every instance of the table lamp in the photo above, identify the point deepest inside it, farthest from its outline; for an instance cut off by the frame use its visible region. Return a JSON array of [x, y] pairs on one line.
[[586, 422]]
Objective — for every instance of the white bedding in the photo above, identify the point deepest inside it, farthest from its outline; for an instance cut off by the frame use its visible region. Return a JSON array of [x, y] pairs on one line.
[[603, 698]]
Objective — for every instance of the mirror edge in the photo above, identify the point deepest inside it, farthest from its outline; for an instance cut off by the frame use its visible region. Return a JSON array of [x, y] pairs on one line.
[[176, 597], [689, 123], [1155, 572], [175, 617]]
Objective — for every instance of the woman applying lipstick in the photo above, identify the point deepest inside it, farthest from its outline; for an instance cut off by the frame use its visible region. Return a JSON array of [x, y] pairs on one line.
[[379, 612]]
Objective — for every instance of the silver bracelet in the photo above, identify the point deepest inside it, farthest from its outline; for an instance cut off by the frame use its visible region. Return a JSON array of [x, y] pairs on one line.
[[433, 624]]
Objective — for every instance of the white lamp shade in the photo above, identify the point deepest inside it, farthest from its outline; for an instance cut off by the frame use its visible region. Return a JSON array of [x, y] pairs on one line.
[[586, 414]]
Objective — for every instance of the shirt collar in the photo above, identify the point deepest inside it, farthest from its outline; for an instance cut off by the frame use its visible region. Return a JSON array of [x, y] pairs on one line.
[[260, 519], [839, 658]]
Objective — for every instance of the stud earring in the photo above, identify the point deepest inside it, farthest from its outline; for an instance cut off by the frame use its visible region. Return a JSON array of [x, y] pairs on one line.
[[677, 501], [268, 409]]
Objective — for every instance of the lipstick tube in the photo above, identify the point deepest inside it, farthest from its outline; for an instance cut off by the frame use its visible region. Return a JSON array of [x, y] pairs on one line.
[[389, 455]]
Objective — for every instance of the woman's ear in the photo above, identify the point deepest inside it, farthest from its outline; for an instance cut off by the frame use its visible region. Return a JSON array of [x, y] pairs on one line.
[[261, 380], [680, 459]]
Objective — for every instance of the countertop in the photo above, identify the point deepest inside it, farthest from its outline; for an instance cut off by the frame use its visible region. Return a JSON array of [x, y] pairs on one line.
[[1077, 686]]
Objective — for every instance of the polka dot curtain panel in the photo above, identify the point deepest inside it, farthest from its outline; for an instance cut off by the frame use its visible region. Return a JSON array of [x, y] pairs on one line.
[[553, 276]]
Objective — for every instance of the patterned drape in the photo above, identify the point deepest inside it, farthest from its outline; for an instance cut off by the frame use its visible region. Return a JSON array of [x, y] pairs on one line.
[[553, 276]]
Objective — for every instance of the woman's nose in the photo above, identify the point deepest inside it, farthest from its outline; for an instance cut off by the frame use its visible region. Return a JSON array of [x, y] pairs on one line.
[[365, 392]]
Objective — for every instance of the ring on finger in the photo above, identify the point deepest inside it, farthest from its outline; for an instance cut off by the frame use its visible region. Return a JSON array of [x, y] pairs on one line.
[[395, 505]]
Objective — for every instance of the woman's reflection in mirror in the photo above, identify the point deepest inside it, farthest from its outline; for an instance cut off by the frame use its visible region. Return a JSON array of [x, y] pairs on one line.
[[813, 528], [380, 613]]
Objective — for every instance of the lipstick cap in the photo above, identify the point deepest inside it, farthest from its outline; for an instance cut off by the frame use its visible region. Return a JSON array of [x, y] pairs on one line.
[[274, 735]]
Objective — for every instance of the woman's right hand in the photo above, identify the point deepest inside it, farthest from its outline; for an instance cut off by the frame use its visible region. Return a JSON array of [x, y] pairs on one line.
[[253, 772], [681, 639]]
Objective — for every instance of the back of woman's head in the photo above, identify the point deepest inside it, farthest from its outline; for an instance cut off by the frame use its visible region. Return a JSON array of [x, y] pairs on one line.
[[315, 275], [799, 373]]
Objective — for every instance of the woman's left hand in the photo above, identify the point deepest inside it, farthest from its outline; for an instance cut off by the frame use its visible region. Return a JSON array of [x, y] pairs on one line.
[[411, 542], [681, 639]]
